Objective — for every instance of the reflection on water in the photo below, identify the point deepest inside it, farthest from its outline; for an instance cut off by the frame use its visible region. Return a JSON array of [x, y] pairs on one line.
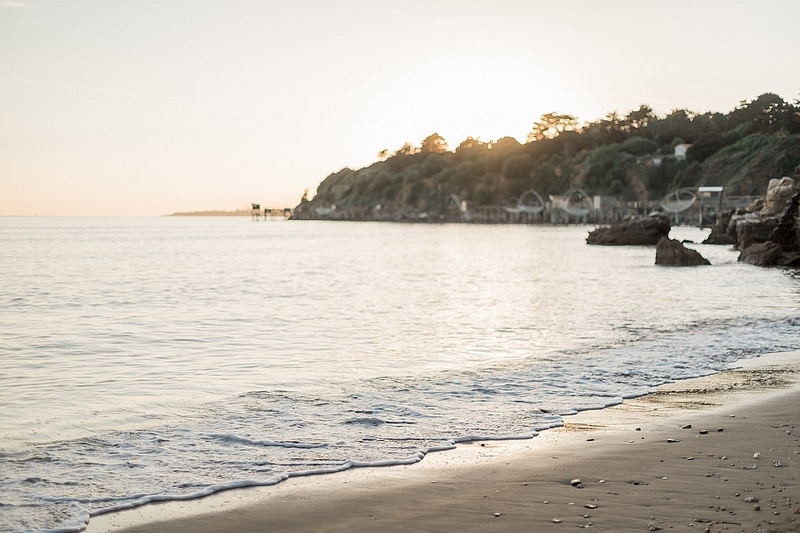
[[159, 347]]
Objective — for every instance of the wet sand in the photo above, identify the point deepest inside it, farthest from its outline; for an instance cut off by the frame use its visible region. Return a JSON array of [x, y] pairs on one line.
[[720, 453]]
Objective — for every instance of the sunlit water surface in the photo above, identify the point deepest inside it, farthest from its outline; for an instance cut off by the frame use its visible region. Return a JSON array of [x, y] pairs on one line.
[[150, 359]]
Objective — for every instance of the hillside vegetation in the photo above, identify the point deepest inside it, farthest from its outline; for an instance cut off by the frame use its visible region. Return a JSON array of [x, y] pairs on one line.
[[629, 158]]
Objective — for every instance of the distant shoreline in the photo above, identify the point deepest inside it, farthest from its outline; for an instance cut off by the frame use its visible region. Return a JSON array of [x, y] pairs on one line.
[[237, 213]]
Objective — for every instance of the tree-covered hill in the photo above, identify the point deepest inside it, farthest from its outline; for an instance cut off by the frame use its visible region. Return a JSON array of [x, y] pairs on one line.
[[638, 157]]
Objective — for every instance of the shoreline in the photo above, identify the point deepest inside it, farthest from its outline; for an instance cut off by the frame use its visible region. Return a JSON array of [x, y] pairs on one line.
[[648, 483]]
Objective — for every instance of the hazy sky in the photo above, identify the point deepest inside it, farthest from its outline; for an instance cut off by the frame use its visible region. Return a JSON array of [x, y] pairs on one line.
[[148, 107]]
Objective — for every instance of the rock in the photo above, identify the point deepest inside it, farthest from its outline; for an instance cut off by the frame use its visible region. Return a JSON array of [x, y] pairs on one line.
[[751, 228], [636, 231], [761, 254], [719, 231], [670, 252], [768, 234], [785, 233], [779, 191]]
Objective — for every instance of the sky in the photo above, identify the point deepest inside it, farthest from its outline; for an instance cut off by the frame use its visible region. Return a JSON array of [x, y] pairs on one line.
[[150, 107]]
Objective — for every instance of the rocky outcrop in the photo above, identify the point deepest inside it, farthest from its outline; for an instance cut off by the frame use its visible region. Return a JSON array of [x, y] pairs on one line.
[[765, 254], [636, 231], [752, 228], [779, 191], [670, 252], [767, 233]]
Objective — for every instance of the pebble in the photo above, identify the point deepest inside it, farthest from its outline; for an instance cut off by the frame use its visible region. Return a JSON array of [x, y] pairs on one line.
[[703, 431], [672, 440], [756, 455], [496, 514], [590, 506], [687, 426], [556, 520], [576, 483]]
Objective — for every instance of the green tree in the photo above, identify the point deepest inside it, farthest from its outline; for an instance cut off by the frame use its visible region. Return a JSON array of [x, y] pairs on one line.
[[434, 144], [550, 125]]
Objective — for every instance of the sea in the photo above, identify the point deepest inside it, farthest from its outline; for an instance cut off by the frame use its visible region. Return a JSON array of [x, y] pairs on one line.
[[154, 359]]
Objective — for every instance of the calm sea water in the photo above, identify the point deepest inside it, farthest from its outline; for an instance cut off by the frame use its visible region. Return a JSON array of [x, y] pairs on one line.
[[150, 359]]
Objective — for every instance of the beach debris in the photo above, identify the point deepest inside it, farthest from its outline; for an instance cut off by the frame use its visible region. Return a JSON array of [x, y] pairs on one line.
[[704, 432], [653, 527], [754, 467], [751, 499], [556, 520], [497, 515], [756, 455], [576, 483], [590, 506], [777, 463], [687, 426], [602, 481], [720, 430], [671, 441]]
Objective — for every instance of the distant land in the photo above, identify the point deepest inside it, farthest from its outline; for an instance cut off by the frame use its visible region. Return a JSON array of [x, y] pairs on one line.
[[237, 213], [636, 159]]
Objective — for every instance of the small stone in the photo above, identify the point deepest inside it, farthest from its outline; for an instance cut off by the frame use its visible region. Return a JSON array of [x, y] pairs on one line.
[[638, 429], [687, 426], [602, 481], [576, 483], [672, 440], [496, 514], [756, 455], [556, 520], [590, 506], [756, 507], [703, 431], [751, 499], [720, 430]]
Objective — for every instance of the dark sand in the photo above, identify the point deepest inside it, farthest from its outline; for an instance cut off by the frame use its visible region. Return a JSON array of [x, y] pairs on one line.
[[720, 453]]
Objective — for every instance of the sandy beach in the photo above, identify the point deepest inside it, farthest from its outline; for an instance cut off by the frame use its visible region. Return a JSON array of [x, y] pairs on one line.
[[720, 453]]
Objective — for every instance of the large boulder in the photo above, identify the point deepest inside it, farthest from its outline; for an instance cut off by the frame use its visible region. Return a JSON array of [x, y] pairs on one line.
[[670, 252], [761, 254], [768, 234], [774, 219], [785, 233], [635, 231], [752, 228], [779, 191]]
